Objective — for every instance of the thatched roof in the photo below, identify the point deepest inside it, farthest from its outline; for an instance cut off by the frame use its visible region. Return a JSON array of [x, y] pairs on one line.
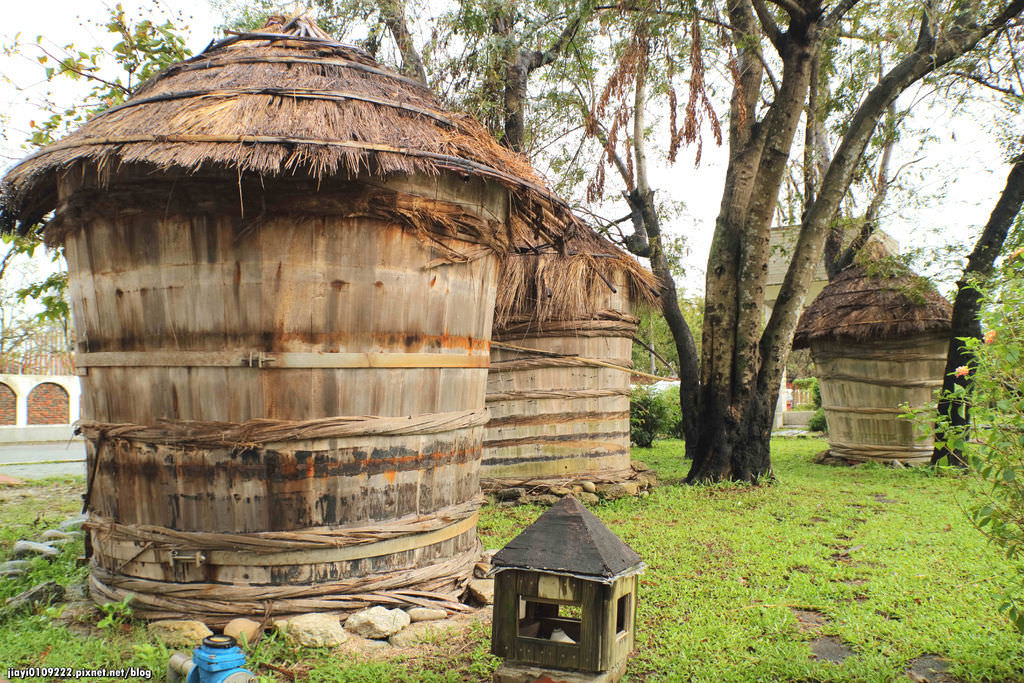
[[286, 101], [867, 302], [536, 284]]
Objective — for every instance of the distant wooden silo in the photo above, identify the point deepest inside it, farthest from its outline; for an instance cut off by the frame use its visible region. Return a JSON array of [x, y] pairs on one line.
[[878, 342]]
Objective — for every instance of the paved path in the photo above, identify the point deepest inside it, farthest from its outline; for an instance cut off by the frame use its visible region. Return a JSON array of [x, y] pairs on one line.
[[39, 454]]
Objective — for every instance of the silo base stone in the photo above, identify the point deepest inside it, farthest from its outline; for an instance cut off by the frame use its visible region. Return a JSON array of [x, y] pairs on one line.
[[587, 487]]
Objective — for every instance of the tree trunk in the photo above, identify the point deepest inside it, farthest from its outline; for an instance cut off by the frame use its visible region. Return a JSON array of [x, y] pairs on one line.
[[736, 415], [516, 72], [686, 347], [967, 306], [393, 13]]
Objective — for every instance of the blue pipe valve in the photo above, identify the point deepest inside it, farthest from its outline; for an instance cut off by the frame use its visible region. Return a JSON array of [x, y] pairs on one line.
[[219, 660]]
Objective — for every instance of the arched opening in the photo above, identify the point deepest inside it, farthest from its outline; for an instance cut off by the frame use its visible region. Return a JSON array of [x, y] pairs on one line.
[[8, 405], [48, 404]]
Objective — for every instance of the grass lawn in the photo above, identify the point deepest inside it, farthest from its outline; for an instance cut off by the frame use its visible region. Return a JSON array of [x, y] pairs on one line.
[[741, 584]]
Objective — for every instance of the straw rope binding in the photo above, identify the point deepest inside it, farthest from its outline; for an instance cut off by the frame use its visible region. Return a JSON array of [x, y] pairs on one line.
[[261, 431], [313, 538], [436, 585]]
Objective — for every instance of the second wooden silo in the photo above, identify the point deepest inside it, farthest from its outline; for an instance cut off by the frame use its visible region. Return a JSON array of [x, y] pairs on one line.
[[556, 415]]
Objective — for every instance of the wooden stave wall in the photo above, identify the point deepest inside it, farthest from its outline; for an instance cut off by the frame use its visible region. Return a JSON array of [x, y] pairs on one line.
[[561, 438], [862, 387], [172, 470]]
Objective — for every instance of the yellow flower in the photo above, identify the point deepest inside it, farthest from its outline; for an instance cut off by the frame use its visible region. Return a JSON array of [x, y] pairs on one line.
[[961, 371], [990, 336]]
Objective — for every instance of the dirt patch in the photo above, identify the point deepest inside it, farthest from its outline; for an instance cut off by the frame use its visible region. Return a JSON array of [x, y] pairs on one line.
[[830, 649], [881, 498], [843, 554], [51, 498], [930, 669], [809, 620]]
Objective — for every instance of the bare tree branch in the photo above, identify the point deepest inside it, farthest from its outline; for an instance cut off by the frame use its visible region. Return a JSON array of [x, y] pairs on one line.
[[793, 9], [768, 25], [66, 64], [981, 81], [838, 12], [537, 59]]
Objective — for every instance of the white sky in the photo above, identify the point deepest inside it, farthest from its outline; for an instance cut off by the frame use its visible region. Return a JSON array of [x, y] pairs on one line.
[[969, 164]]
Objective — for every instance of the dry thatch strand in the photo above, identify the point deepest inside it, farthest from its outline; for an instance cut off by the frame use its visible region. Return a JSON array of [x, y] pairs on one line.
[[436, 585], [858, 306], [312, 538], [286, 101], [197, 434], [536, 285]]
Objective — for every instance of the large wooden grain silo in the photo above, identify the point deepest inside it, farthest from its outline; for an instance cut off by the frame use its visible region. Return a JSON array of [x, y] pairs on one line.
[[878, 335], [282, 265], [556, 414]]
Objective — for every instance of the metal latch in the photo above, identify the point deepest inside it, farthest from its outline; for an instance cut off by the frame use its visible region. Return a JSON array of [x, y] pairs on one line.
[[178, 557], [258, 359]]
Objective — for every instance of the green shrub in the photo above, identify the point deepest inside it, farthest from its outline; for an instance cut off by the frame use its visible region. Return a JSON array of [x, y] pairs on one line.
[[674, 423], [649, 415], [813, 385], [994, 449], [818, 423]]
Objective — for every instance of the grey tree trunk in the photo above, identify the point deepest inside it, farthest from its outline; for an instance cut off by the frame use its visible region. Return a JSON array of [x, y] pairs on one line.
[[967, 306]]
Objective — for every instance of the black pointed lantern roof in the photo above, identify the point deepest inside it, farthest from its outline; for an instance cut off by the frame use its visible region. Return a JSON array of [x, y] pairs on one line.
[[569, 539]]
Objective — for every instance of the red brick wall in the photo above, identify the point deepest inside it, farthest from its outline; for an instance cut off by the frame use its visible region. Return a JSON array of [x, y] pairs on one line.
[[8, 405], [48, 405]]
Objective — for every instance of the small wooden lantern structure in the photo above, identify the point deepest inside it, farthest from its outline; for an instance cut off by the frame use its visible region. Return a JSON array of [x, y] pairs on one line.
[[564, 600]]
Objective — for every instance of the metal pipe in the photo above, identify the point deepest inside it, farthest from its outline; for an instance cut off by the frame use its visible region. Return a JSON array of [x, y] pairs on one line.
[[179, 667]]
